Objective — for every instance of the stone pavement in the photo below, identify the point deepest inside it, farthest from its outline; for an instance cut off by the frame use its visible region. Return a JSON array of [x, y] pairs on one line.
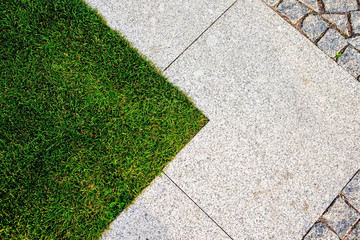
[[283, 137], [332, 25], [342, 219]]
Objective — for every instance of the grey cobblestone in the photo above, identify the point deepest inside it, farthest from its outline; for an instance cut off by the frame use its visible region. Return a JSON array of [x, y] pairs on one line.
[[271, 2], [340, 5], [313, 26], [293, 10], [355, 233], [332, 42], [352, 191], [335, 13], [340, 217], [340, 20], [320, 232], [350, 60], [355, 42], [312, 4], [355, 22]]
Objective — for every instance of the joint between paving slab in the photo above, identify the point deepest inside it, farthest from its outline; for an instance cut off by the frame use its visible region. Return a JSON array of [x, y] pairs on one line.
[[340, 195], [200, 35], [222, 229], [351, 229]]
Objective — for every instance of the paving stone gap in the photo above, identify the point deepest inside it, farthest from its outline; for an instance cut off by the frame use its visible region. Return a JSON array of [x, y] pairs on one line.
[[341, 219], [332, 25], [283, 137]]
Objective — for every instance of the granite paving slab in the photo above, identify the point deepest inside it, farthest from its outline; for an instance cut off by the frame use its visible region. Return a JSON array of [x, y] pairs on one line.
[[160, 29], [163, 212], [342, 16], [283, 137]]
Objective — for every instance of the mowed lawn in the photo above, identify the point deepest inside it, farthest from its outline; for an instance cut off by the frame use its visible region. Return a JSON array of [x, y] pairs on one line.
[[86, 123]]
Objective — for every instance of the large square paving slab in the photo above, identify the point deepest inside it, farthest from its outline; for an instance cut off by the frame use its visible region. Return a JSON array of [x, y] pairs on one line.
[[160, 29], [283, 137]]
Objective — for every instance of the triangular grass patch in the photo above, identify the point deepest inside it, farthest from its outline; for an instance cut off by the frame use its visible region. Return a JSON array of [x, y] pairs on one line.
[[86, 123]]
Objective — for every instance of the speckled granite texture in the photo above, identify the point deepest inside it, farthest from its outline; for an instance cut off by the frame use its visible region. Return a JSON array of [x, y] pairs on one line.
[[160, 29], [163, 212], [283, 137], [333, 25], [341, 219]]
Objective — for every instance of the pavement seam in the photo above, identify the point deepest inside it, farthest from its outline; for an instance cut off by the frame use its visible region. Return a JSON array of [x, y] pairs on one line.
[[322, 220], [200, 35], [198, 205], [345, 28]]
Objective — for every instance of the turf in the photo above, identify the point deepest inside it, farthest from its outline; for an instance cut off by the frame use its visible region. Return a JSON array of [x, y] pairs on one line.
[[86, 122]]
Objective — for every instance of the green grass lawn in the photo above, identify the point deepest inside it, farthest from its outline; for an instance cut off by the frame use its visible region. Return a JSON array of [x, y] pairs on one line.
[[86, 123]]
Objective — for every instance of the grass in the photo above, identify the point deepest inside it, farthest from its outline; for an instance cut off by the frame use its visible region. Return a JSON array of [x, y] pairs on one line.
[[86, 123]]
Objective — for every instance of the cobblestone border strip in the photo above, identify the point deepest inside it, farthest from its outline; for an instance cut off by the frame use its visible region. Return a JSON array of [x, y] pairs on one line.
[[332, 25], [341, 220]]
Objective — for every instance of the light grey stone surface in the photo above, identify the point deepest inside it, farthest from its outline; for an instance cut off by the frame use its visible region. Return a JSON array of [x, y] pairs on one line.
[[350, 60], [355, 42], [160, 29], [355, 233], [283, 136], [320, 232], [336, 13], [332, 42], [355, 22], [293, 10], [352, 191], [340, 20], [313, 26], [341, 217], [340, 5], [271, 2], [313, 4], [163, 212]]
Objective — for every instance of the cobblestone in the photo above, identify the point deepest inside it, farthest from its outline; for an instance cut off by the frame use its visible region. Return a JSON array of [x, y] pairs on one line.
[[313, 26], [352, 191], [332, 42], [271, 2], [334, 15], [340, 20], [355, 233], [355, 42], [293, 10], [355, 22], [312, 4], [350, 60], [340, 5], [320, 232], [340, 217]]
